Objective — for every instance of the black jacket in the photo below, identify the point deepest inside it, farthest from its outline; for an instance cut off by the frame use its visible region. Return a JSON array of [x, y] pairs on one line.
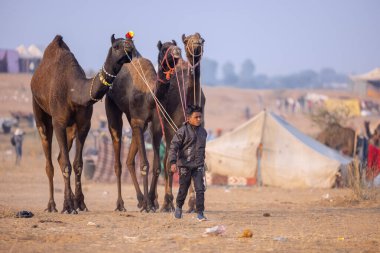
[[187, 148]]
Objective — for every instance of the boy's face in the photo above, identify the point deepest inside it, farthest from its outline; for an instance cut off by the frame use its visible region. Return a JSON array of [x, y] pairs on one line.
[[195, 119]]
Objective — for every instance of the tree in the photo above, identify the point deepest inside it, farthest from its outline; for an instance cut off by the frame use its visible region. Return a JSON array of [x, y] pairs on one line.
[[208, 71], [229, 75], [246, 73]]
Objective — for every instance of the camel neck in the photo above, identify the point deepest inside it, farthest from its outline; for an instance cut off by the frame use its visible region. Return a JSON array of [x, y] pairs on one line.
[[161, 76], [162, 85], [91, 91], [194, 84], [98, 86]]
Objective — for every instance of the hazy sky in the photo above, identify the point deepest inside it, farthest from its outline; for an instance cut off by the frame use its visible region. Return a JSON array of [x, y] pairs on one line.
[[281, 37]]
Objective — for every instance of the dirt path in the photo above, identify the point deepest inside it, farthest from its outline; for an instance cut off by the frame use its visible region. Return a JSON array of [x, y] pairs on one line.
[[299, 221]]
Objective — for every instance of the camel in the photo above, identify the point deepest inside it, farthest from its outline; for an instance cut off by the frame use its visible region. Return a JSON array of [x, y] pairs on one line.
[[339, 138], [182, 89], [132, 97], [63, 101]]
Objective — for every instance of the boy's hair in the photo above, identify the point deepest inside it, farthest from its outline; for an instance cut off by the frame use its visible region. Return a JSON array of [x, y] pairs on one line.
[[193, 108]]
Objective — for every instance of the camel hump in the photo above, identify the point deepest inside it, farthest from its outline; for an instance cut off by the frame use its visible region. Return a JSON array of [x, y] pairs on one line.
[[58, 40]]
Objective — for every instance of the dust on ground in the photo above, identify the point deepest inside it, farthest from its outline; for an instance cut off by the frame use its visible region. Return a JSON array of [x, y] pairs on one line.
[[301, 220]]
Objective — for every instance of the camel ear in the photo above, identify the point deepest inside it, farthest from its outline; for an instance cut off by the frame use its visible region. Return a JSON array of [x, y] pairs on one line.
[[113, 38], [174, 42], [183, 38], [159, 45]]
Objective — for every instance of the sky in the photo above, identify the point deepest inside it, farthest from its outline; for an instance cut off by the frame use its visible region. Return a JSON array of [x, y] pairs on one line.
[[280, 36]]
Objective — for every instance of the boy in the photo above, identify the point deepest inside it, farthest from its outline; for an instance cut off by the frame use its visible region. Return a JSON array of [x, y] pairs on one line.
[[187, 149]]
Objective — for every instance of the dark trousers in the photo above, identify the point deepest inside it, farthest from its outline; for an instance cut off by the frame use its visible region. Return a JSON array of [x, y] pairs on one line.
[[185, 175]]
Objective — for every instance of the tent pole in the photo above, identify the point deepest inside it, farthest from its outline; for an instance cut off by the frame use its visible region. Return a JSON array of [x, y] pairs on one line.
[[259, 152]]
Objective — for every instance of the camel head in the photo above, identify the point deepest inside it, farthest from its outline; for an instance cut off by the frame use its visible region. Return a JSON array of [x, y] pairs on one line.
[[193, 46], [169, 54], [120, 52]]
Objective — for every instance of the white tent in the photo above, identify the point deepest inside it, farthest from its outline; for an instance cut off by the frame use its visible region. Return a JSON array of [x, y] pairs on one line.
[[290, 159]]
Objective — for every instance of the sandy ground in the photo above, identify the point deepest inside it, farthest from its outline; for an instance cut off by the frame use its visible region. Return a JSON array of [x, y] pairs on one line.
[[309, 220]]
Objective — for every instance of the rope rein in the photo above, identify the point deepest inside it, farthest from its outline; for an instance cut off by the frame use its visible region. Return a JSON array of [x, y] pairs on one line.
[[180, 96], [160, 106]]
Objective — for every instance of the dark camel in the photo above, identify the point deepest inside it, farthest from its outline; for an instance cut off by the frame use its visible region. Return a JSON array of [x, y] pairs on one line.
[[186, 74], [63, 101], [132, 97]]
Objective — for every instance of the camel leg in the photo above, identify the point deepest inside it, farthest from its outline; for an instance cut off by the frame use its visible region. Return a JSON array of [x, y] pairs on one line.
[[83, 126], [45, 129], [137, 132], [168, 205], [64, 162], [115, 126], [70, 134], [157, 136], [132, 170]]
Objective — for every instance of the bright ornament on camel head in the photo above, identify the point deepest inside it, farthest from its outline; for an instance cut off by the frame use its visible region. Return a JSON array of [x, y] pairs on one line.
[[129, 35]]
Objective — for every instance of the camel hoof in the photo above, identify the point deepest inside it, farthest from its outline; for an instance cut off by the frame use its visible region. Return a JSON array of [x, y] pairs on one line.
[[82, 209], [167, 209], [69, 212], [51, 210], [153, 209], [120, 209], [51, 207]]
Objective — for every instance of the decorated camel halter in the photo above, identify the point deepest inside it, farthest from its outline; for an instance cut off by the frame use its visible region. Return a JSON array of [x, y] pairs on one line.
[[168, 73], [103, 74]]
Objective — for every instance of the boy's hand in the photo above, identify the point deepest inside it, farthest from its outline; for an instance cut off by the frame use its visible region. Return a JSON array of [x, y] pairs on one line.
[[173, 168]]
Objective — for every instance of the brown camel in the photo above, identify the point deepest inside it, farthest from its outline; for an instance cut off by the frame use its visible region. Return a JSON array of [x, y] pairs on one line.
[[63, 101], [339, 138], [132, 97], [174, 100]]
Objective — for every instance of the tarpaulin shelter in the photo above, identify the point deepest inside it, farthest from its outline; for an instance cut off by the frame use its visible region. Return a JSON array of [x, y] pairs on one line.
[[288, 158]]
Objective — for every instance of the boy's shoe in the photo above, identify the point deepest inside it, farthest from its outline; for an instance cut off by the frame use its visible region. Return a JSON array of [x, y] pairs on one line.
[[201, 216], [178, 213]]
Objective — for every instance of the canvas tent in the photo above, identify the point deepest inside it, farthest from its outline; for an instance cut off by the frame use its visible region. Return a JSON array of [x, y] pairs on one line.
[[9, 61], [290, 159]]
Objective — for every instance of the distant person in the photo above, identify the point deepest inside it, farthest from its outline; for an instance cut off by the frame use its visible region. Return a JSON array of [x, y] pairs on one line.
[[247, 113], [187, 150], [210, 135], [7, 126], [16, 141], [373, 159], [219, 132]]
